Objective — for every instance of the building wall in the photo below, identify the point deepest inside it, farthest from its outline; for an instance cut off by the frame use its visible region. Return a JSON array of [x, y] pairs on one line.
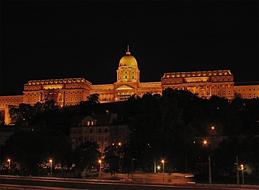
[[247, 91], [103, 135], [203, 83], [6, 102], [72, 91], [65, 92], [105, 91]]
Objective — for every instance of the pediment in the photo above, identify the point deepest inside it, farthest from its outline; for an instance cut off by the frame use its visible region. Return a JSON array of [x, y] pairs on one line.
[[124, 87]]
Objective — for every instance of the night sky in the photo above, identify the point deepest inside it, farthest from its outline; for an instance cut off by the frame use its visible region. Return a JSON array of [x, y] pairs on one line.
[[44, 39]]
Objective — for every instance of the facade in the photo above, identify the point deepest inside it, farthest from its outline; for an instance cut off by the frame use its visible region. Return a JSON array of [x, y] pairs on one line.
[[247, 90], [102, 130], [72, 91]]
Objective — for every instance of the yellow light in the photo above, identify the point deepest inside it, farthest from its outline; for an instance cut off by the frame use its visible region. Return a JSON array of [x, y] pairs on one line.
[[99, 161], [205, 142], [163, 161], [158, 167], [196, 79], [242, 166], [212, 128], [119, 143], [53, 86], [50, 160], [8, 160]]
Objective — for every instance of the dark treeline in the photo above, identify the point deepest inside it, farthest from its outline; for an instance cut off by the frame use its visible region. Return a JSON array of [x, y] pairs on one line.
[[171, 126]]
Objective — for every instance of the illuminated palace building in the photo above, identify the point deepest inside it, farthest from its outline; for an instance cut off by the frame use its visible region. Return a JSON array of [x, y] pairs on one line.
[[71, 91]]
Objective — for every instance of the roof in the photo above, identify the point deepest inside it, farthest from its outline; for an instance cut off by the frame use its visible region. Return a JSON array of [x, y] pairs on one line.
[[58, 81], [198, 74]]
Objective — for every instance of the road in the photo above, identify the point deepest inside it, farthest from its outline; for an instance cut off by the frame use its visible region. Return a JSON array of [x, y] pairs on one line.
[[46, 183]]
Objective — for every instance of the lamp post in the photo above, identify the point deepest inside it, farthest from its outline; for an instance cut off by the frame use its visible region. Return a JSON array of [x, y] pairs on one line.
[[163, 164], [210, 179], [132, 167], [50, 162], [205, 143], [154, 165], [237, 169], [158, 168], [100, 167], [120, 156], [242, 172], [9, 164]]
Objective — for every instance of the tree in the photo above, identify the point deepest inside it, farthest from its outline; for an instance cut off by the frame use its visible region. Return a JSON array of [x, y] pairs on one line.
[[31, 148], [112, 157], [22, 115], [93, 99], [86, 155]]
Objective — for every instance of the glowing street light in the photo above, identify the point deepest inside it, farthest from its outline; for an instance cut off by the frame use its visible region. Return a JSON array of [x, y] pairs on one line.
[[212, 128], [158, 168], [242, 168], [51, 163], [9, 163], [100, 166], [119, 144], [237, 169], [205, 143], [163, 162]]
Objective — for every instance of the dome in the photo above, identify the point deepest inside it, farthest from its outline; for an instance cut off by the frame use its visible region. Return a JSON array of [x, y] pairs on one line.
[[128, 60]]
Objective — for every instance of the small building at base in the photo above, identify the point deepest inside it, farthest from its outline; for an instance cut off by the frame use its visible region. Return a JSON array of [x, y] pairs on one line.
[[102, 129]]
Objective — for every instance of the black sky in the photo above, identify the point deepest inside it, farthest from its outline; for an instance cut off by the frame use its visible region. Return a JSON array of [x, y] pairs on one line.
[[44, 39]]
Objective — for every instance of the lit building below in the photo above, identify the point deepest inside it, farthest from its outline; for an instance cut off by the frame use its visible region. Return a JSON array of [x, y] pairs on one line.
[[102, 129], [72, 91]]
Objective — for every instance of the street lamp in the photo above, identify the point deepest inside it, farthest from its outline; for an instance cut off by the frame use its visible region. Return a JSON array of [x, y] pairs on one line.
[[51, 163], [100, 166], [158, 168], [205, 143], [163, 163], [237, 169], [242, 168], [9, 164]]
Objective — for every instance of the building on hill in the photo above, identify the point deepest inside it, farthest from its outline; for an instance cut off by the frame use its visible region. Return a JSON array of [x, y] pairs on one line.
[[102, 129], [72, 91]]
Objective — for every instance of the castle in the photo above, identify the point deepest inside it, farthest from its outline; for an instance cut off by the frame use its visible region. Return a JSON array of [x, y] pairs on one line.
[[72, 91]]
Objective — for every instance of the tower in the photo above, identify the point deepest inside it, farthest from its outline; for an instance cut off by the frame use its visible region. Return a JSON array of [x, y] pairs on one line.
[[128, 71]]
